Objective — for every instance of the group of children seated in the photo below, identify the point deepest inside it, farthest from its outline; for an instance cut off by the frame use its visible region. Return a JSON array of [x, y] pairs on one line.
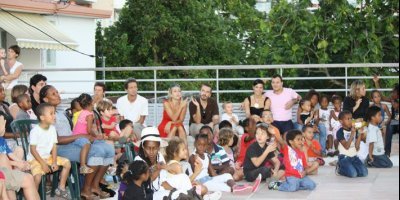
[[221, 157]]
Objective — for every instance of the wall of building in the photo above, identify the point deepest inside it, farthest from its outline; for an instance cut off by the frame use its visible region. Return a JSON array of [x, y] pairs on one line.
[[71, 84], [82, 31]]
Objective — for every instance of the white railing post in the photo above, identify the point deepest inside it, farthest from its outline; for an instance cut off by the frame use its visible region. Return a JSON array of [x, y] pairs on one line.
[[103, 64], [155, 99], [217, 77], [346, 81]]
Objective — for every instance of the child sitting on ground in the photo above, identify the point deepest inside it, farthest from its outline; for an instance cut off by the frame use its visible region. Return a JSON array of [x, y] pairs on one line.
[[296, 167], [43, 150], [257, 156], [218, 157], [137, 174], [176, 178], [226, 139], [246, 140], [25, 105], [312, 149], [122, 168], [376, 157], [208, 177], [334, 126], [349, 143], [268, 119], [84, 126]]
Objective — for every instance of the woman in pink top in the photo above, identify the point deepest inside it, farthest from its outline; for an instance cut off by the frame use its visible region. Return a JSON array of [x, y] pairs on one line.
[[282, 101], [83, 126]]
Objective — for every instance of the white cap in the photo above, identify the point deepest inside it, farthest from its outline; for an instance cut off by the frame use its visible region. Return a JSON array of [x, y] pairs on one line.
[[151, 134]]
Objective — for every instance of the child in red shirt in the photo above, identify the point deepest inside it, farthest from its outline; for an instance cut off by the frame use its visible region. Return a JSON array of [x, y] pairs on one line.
[[296, 167], [247, 139], [313, 150]]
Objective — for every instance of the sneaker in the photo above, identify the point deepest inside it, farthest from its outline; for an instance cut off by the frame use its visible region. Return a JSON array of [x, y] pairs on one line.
[[274, 185], [213, 196], [336, 153], [63, 193], [257, 183], [330, 154], [242, 189]]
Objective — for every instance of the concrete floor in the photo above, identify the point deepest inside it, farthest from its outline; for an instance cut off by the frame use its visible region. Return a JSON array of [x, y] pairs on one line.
[[379, 184]]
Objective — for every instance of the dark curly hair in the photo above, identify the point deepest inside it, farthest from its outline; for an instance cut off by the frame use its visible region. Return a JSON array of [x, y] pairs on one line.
[[136, 169], [85, 100]]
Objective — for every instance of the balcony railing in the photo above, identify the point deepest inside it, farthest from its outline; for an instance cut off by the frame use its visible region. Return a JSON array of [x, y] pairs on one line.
[[156, 107]]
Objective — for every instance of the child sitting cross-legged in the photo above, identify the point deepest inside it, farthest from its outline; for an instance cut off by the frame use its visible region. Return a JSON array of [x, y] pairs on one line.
[[349, 144], [175, 176], [296, 167], [312, 148], [226, 140], [43, 149], [208, 177], [257, 156], [376, 157]]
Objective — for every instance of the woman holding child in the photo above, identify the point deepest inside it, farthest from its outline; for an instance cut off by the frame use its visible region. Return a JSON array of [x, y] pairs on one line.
[[100, 156]]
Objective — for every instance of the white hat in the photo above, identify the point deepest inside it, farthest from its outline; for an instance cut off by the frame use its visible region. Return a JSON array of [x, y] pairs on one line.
[[151, 134]]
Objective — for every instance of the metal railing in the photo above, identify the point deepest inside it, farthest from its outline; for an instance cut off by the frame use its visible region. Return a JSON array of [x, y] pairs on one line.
[[218, 79]]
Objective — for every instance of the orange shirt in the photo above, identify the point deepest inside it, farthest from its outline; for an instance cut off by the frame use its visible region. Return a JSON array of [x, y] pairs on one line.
[[316, 146]]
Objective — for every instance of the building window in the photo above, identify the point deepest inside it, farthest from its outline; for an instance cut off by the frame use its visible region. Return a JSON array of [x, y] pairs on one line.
[[50, 57]]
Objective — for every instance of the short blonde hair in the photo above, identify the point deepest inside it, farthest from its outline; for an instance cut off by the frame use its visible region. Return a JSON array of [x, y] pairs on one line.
[[355, 88], [226, 103], [103, 105]]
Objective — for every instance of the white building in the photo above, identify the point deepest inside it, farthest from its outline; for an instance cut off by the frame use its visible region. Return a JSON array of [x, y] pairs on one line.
[[72, 25]]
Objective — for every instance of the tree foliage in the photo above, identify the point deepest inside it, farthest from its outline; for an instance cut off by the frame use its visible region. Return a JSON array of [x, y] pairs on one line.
[[231, 32]]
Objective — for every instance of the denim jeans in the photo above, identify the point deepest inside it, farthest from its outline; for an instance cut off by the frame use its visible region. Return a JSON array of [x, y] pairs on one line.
[[283, 126], [381, 161], [390, 130], [321, 137], [100, 154], [293, 184], [351, 167]]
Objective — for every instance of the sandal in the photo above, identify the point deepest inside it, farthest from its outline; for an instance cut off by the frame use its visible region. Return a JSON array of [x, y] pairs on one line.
[[85, 170]]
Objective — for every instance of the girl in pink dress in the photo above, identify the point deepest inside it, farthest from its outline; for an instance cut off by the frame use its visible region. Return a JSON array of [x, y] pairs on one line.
[[83, 126]]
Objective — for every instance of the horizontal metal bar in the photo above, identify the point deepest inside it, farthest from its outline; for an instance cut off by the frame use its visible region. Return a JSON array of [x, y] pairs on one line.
[[229, 91], [221, 79], [219, 67]]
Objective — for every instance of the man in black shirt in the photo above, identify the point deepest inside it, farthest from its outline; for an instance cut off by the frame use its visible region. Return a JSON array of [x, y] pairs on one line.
[[203, 111]]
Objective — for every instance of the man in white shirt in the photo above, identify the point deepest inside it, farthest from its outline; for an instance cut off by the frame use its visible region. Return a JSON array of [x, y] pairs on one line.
[[133, 106]]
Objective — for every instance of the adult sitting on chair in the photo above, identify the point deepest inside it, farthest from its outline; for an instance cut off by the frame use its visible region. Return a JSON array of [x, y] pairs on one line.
[[101, 154]]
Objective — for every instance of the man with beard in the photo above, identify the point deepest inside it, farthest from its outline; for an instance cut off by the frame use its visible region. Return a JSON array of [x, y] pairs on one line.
[[203, 111]]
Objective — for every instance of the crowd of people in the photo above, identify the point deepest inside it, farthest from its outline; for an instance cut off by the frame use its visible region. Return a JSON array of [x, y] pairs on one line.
[[265, 146]]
